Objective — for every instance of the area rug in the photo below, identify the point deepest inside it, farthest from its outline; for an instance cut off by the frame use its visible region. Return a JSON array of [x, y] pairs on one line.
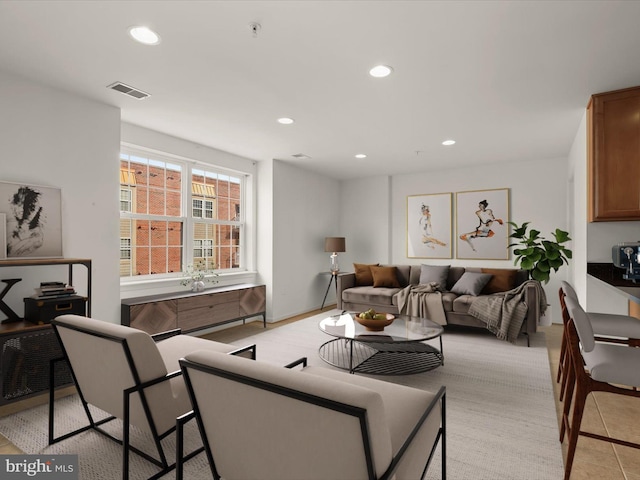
[[501, 419]]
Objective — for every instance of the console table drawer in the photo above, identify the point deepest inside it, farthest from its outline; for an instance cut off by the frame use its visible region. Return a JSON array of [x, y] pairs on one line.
[[190, 303], [212, 315]]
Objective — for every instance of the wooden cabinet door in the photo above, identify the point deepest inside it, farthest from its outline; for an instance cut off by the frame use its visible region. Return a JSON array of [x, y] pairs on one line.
[[154, 317], [253, 300], [613, 136]]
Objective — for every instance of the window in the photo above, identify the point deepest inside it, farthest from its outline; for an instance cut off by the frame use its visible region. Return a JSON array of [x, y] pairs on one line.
[[216, 214], [125, 248], [202, 208], [125, 200], [158, 235]]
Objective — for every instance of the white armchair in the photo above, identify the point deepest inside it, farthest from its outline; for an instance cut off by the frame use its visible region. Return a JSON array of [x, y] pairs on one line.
[[263, 422], [130, 375]]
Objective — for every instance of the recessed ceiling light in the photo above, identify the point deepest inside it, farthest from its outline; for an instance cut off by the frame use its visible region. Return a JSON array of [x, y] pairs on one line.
[[144, 35], [285, 120], [380, 71], [361, 155], [449, 142]]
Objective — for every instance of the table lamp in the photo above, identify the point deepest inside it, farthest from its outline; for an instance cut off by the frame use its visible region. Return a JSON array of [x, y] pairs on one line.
[[334, 245]]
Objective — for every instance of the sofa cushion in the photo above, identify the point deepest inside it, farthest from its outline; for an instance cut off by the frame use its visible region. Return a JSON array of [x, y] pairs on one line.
[[462, 303], [434, 273], [403, 274], [385, 277], [363, 273], [447, 301], [369, 295], [471, 283], [502, 280], [454, 275]]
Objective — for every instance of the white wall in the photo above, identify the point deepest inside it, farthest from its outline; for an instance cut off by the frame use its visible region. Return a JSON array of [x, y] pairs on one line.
[[306, 209], [365, 219], [52, 138], [537, 194], [593, 241], [265, 238], [577, 175]]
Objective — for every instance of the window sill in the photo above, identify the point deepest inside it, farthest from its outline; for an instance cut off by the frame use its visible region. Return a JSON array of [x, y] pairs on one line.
[[132, 288]]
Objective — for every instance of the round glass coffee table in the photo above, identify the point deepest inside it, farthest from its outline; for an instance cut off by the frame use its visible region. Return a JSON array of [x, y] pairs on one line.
[[396, 350]]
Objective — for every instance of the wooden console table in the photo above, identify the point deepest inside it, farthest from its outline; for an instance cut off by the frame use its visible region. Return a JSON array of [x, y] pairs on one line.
[[192, 311]]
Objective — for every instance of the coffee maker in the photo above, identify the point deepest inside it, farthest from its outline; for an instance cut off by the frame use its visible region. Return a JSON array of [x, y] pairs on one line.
[[627, 256]]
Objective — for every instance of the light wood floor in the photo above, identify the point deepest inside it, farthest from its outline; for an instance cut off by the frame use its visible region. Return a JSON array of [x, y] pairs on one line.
[[604, 413]]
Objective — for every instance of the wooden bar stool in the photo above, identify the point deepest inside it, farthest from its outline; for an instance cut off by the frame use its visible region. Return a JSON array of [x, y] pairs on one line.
[[596, 367], [607, 327]]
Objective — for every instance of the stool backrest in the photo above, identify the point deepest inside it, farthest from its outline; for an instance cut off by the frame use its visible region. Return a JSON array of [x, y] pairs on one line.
[[582, 324], [568, 290]]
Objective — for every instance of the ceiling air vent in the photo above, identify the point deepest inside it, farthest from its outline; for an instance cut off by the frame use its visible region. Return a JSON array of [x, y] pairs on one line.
[[127, 90], [301, 156]]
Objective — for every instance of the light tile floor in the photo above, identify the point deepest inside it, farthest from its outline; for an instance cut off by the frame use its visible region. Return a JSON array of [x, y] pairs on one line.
[[604, 413]]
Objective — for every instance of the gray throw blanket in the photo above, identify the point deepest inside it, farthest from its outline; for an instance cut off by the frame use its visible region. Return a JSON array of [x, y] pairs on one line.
[[504, 312], [423, 300]]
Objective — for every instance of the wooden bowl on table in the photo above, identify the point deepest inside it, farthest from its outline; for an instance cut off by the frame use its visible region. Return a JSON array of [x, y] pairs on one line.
[[374, 325]]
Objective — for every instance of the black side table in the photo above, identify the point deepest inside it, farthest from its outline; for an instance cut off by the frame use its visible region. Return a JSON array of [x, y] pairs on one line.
[[331, 279]]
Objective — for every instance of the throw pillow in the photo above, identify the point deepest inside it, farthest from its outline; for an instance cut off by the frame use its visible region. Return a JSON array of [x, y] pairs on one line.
[[471, 283], [434, 273], [363, 273], [502, 280], [385, 277]]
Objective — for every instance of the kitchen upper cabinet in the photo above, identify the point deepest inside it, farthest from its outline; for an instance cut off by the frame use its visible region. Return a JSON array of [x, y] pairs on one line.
[[613, 152]]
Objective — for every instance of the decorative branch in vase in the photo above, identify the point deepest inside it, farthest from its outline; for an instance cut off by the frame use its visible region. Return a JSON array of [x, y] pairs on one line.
[[196, 275]]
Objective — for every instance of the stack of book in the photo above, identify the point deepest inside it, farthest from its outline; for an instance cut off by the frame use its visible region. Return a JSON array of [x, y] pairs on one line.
[[54, 290]]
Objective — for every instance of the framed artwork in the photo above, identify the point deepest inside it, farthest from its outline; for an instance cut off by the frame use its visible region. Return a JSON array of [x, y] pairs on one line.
[[429, 226], [33, 220], [482, 231]]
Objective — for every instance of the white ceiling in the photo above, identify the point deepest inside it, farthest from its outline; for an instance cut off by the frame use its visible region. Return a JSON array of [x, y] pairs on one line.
[[508, 81]]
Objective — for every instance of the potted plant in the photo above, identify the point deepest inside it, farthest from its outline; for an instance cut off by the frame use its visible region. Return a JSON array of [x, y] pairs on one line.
[[538, 255], [196, 275]]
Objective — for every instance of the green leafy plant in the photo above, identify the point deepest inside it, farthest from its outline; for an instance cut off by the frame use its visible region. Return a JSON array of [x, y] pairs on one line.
[[538, 255]]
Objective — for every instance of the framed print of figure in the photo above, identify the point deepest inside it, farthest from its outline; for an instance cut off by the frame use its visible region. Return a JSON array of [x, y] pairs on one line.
[[482, 231], [34, 220], [429, 226]]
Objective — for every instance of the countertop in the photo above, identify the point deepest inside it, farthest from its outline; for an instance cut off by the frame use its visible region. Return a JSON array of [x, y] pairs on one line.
[[612, 276]]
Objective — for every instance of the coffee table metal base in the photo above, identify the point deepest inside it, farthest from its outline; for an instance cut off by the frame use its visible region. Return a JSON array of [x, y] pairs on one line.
[[381, 358]]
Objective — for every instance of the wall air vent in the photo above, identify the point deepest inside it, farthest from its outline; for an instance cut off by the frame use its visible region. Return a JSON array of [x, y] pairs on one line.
[[127, 90], [301, 156]]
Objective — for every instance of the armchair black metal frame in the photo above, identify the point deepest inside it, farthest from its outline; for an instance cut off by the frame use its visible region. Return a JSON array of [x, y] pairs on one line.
[[139, 387], [351, 410]]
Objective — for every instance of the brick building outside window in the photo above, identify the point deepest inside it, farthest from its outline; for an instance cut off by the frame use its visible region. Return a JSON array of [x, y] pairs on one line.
[[159, 235]]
